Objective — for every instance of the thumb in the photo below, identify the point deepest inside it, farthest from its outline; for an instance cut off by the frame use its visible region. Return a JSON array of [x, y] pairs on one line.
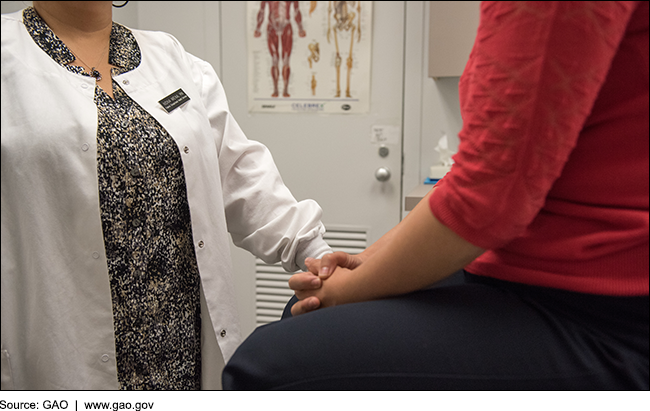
[[329, 262], [312, 265]]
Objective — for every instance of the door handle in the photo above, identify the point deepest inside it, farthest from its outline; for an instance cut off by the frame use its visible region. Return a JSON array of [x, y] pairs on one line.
[[382, 174]]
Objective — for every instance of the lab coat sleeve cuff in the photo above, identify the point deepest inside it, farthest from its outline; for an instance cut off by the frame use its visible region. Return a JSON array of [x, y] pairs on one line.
[[315, 248]]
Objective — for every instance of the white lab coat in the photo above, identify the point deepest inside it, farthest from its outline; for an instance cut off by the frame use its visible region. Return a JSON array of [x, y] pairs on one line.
[[57, 320]]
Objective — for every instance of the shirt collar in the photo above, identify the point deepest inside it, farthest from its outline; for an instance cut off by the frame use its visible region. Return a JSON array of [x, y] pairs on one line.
[[124, 52]]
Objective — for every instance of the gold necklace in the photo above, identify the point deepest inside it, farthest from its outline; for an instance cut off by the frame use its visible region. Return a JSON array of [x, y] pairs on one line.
[[93, 71]]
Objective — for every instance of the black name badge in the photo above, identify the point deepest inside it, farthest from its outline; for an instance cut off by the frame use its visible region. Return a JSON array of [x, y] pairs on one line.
[[174, 100]]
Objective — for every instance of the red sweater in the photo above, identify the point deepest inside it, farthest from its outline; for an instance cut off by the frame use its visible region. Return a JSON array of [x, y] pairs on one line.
[[551, 175]]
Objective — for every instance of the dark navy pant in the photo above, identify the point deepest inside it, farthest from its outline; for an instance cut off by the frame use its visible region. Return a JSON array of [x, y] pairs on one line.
[[482, 334]]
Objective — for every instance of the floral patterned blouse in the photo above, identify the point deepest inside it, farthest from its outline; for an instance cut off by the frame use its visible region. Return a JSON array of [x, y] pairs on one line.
[[145, 216]]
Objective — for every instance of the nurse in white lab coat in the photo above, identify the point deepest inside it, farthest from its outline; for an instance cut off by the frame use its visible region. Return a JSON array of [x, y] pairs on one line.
[[117, 204]]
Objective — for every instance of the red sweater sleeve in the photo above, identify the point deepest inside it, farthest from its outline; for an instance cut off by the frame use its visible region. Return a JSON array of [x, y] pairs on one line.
[[532, 79]]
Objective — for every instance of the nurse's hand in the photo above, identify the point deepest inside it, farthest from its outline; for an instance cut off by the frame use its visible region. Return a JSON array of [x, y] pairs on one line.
[[319, 270], [326, 266], [300, 283]]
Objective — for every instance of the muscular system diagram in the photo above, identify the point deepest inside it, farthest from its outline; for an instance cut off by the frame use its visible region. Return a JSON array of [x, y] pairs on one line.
[[280, 33]]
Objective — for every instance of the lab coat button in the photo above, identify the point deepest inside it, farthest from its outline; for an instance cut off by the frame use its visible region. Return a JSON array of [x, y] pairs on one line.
[[84, 86], [105, 358], [201, 244], [186, 149], [95, 255], [85, 147], [222, 333], [126, 82]]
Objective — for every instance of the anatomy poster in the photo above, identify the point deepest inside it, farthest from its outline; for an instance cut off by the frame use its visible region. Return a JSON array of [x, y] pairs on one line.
[[309, 56]]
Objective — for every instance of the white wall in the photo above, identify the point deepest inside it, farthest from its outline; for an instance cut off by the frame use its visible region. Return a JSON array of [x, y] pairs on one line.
[[431, 107]]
